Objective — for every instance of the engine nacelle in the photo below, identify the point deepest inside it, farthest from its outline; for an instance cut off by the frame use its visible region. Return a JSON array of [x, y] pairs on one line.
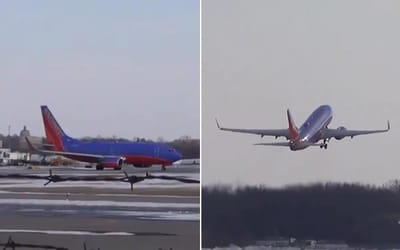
[[340, 129], [112, 162]]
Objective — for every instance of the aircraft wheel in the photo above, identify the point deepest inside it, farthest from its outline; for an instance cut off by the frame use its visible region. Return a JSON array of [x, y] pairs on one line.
[[99, 167], [326, 146]]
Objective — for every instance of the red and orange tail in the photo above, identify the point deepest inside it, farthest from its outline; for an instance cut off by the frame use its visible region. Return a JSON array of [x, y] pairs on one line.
[[54, 132], [293, 131]]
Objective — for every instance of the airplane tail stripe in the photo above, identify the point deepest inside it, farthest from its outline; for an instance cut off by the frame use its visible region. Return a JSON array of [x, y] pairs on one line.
[[293, 132], [53, 130]]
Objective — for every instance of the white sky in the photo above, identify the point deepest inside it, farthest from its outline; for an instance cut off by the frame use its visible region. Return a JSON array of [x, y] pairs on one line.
[[261, 57], [126, 68]]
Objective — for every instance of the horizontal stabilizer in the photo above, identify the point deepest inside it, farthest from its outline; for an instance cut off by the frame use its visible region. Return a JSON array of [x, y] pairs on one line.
[[30, 145]]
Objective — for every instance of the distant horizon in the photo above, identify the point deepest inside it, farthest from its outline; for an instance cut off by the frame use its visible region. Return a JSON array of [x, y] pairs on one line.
[[101, 136]]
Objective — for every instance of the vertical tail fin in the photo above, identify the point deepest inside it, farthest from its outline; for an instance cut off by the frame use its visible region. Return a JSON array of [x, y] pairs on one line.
[[54, 132], [293, 131]]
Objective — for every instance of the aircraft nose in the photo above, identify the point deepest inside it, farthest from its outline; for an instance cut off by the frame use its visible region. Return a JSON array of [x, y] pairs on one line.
[[177, 156]]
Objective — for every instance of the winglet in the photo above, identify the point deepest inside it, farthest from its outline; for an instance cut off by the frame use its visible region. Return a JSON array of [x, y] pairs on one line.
[[388, 126], [217, 123], [31, 147]]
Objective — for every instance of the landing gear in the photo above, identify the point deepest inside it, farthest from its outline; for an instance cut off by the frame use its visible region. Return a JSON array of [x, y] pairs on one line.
[[324, 144], [99, 167], [117, 168]]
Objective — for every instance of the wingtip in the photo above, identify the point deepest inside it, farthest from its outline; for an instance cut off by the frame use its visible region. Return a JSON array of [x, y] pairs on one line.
[[216, 121], [388, 125]]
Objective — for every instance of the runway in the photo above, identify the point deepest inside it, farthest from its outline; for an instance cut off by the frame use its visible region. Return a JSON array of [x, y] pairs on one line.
[[157, 214]]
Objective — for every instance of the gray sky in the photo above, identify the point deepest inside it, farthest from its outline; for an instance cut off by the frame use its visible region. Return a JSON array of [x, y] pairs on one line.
[[125, 68], [261, 57]]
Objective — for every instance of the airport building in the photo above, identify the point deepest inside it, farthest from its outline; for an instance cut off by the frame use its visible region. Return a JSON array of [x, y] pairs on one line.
[[23, 145], [12, 158], [15, 150]]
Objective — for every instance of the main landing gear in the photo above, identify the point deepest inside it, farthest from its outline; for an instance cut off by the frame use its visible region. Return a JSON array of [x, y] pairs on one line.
[[324, 144], [99, 167]]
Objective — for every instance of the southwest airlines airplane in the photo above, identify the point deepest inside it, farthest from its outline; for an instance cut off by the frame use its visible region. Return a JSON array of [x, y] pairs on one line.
[[314, 129], [104, 154]]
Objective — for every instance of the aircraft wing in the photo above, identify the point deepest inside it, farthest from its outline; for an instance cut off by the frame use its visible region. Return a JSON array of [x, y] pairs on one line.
[[341, 133], [283, 144], [262, 132], [67, 154]]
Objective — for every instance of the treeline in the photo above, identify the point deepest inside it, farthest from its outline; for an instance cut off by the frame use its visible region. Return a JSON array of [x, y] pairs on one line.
[[189, 149], [357, 214], [11, 142]]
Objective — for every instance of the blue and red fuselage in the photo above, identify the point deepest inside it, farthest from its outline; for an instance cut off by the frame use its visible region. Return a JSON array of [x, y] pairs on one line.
[[106, 153], [139, 154]]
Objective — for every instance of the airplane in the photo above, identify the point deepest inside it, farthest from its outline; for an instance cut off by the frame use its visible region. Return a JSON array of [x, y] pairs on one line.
[[314, 129], [104, 154]]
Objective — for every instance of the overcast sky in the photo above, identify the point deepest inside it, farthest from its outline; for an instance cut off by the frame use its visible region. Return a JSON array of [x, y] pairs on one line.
[[261, 57], [125, 68]]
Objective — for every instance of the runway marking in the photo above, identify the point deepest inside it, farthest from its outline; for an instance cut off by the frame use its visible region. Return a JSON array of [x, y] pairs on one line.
[[103, 194], [102, 203], [165, 184], [58, 232], [91, 233], [169, 215], [148, 215], [30, 210]]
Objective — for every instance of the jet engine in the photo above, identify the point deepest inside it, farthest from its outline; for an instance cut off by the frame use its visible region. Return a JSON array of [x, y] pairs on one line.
[[113, 162], [340, 129]]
